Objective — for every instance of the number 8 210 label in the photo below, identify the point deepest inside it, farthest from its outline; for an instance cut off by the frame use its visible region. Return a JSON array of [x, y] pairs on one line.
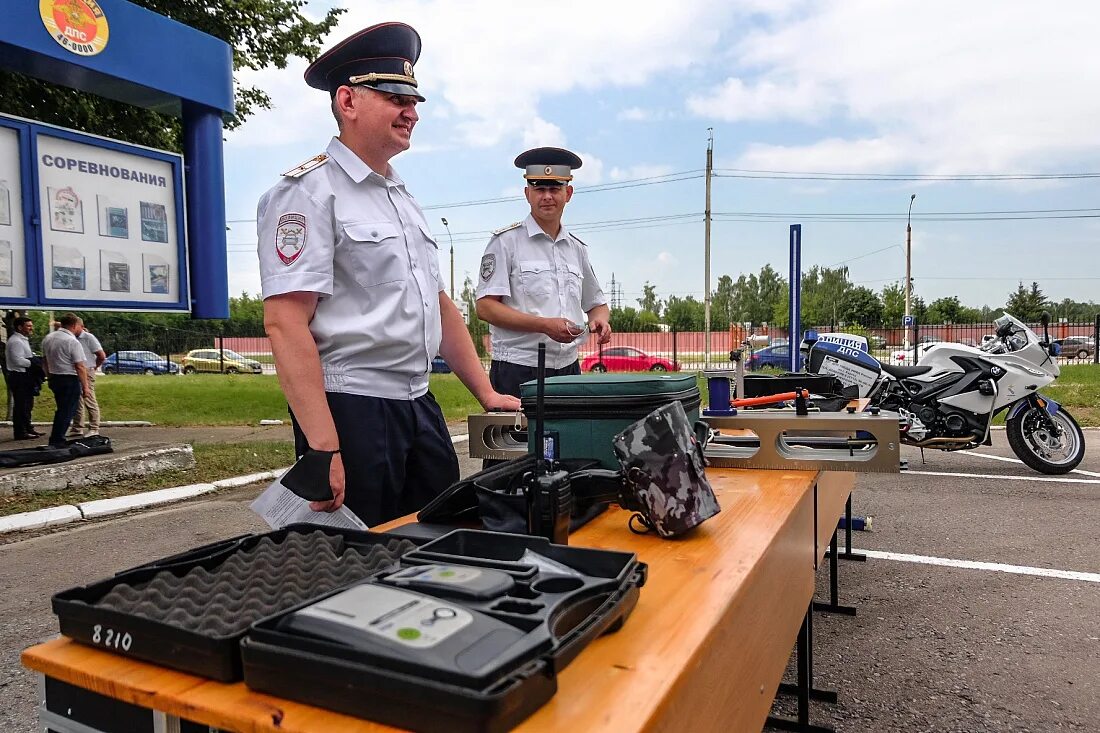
[[111, 638]]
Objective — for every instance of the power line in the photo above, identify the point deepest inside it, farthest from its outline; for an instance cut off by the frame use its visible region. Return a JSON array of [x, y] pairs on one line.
[[826, 176]]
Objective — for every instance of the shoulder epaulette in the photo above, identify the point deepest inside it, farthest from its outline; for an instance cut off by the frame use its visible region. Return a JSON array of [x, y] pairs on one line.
[[305, 167], [574, 236], [508, 228]]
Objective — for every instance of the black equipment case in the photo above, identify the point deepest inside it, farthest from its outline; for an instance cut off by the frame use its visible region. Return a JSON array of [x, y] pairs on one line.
[[583, 412], [561, 598]]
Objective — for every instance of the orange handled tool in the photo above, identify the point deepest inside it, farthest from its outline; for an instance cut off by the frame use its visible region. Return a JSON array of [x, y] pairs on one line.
[[769, 399]]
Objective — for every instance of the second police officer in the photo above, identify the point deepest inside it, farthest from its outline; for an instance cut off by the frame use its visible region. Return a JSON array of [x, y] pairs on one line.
[[536, 280]]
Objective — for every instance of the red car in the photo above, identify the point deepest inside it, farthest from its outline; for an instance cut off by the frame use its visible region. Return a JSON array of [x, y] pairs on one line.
[[626, 359]]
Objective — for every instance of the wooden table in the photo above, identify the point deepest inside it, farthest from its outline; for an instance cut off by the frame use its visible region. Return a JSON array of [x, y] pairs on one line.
[[705, 648]]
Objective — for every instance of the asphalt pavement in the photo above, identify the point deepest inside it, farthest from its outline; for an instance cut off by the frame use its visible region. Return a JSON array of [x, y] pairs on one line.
[[933, 647]]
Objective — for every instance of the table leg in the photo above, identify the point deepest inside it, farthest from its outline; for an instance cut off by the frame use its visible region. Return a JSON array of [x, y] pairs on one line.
[[804, 688], [848, 554], [833, 606]]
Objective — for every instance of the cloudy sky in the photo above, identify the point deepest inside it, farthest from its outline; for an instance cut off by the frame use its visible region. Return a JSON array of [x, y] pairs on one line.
[[825, 114]]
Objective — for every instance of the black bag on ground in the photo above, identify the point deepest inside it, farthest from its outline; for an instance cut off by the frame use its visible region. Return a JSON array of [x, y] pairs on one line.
[[494, 498], [93, 445]]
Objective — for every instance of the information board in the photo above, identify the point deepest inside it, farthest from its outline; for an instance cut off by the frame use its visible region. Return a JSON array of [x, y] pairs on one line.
[[109, 228]]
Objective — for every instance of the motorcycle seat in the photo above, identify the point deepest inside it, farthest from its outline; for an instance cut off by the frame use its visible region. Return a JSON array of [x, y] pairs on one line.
[[901, 372]]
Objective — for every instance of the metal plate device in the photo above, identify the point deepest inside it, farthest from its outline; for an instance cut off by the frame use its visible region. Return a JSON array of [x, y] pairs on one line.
[[773, 439], [825, 441]]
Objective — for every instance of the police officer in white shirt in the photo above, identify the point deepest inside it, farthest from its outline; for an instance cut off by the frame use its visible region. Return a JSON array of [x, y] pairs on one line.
[[536, 281], [353, 300], [18, 355], [63, 357]]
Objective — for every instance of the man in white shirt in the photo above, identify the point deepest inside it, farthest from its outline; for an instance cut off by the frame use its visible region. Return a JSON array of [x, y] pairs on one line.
[[94, 356], [19, 354], [536, 283], [63, 357], [353, 299]]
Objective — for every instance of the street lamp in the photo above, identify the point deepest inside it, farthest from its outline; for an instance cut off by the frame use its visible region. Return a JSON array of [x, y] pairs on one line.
[[908, 265], [446, 226]]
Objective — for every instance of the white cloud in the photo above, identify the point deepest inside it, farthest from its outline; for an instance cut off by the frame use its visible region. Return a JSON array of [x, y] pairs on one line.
[[639, 114], [665, 259], [936, 87]]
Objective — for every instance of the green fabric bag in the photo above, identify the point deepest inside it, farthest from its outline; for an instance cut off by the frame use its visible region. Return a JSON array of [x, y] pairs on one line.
[[583, 412]]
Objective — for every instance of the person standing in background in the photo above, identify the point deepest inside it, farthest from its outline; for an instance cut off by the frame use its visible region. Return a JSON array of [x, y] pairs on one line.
[[94, 356], [19, 354], [63, 358]]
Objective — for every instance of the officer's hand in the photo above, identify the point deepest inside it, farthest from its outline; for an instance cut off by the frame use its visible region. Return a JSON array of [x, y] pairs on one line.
[[336, 483], [87, 392], [561, 330], [500, 402], [601, 328]]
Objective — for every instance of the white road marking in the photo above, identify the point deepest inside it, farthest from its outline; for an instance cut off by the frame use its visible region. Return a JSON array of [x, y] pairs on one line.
[[1006, 459], [1053, 479], [976, 565], [459, 438]]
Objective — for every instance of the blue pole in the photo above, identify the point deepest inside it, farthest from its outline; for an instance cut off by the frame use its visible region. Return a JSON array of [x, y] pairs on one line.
[[202, 154], [795, 302]]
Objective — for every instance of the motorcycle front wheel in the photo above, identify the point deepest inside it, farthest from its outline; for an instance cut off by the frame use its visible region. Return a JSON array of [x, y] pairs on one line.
[[1039, 447]]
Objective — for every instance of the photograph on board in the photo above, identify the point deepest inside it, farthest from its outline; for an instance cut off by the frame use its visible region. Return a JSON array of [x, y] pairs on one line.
[[156, 274], [66, 210], [5, 264], [114, 219], [154, 222], [67, 272], [5, 204], [114, 272]]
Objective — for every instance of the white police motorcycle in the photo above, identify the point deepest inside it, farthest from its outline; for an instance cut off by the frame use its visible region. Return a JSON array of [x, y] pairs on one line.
[[947, 401]]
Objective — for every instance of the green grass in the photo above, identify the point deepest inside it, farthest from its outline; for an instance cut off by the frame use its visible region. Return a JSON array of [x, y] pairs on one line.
[[245, 399], [212, 462]]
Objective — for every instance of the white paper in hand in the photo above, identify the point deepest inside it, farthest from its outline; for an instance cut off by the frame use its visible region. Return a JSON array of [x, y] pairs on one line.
[[279, 507]]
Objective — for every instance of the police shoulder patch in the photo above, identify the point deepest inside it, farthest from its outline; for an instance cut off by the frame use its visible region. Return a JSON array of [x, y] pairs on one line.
[[508, 228], [290, 237], [488, 266], [308, 165]]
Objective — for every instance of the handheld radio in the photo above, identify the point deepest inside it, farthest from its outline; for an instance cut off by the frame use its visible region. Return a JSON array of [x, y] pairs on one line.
[[549, 494]]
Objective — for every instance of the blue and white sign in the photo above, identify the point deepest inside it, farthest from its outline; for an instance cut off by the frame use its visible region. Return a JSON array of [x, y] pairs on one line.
[[908, 321], [101, 223]]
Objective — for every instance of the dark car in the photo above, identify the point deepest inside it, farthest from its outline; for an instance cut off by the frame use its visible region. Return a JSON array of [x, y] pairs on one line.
[[439, 366], [1080, 347], [770, 356], [138, 362], [626, 359]]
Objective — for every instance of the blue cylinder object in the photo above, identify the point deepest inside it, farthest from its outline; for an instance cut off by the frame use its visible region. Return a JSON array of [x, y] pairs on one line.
[[718, 387]]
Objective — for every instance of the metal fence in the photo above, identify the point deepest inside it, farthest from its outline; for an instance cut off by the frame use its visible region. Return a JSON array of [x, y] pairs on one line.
[[645, 351]]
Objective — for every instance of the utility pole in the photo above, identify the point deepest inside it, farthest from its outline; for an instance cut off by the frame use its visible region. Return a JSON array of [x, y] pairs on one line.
[[448, 228], [908, 267], [706, 257]]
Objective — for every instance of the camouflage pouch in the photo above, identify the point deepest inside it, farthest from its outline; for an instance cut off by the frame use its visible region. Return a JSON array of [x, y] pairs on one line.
[[663, 465]]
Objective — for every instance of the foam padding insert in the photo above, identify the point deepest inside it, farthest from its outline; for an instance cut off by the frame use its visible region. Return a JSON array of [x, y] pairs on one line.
[[251, 584]]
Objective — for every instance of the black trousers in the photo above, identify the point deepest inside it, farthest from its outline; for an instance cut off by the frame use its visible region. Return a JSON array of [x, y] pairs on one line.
[[66, 390], [506, 377], [397, 454], [22, 402]]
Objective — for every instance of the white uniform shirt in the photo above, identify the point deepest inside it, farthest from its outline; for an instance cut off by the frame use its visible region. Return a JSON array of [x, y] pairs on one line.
[[18, 353], [62, 351], [91, 345], [546, 277], [361, 241]]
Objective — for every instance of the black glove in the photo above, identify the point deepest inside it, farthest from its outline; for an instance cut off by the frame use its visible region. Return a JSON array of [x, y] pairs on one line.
[[308, 478]]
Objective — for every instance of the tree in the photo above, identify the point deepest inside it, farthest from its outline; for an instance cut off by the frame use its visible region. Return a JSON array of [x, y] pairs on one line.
[[477, 327], [945, 310], [823, 291], [861, 306], [649, 301], [893, 305], [721, 303], [684, 314], [263, 33], [648, 322], [624, 320], [1027, 304]]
